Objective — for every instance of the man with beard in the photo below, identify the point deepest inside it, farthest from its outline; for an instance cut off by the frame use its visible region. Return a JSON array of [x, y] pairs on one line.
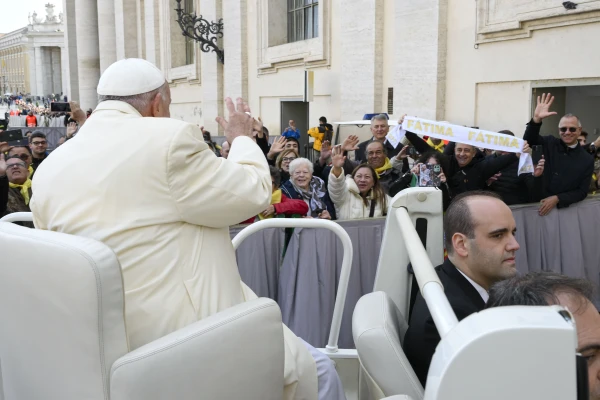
[[480, 238]]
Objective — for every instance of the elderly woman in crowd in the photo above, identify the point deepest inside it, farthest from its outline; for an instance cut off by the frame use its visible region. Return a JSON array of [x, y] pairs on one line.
[[304, 186], [15, 190], [283, 163], [358, 195], [281, 205]]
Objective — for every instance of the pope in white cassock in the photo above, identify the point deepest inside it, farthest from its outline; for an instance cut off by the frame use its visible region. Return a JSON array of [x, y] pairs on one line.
[[150, 188]]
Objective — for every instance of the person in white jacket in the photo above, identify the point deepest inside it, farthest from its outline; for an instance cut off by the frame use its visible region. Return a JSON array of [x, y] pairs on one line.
[[358, 195], [152, 190]]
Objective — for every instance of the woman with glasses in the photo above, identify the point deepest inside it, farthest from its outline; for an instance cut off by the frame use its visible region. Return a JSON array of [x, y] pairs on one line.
[[282, 163], [358, 195], [16, 186], [304, 186]]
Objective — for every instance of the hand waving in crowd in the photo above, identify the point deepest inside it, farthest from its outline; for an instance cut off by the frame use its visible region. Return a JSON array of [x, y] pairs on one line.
[[240, 121], [542, 110]]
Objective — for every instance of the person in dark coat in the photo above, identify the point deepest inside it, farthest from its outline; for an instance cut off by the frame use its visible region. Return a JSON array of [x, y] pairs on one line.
[[480, 237], [569, 167], [468, 169], [515, 188], [379, 128]]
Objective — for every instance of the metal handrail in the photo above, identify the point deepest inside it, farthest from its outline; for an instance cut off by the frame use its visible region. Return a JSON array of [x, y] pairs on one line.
[[430, 285], [340, 299], [18, 217]]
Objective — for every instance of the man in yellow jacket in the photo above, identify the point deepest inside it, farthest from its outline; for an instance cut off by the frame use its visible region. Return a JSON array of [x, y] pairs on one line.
[[150, 188], [321, 133]]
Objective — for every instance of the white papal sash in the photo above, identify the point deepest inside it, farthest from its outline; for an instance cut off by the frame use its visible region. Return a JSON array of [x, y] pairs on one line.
[[465, 135]]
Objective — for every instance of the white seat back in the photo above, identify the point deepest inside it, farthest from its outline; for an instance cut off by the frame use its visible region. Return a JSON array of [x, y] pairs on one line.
[[62, 315], [378, 329]]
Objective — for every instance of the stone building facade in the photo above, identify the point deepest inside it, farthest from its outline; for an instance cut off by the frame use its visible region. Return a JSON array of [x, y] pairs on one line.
[[476, 63], [32, 58]]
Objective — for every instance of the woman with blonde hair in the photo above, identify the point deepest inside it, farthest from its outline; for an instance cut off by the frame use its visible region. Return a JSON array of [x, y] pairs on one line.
[[358, 195]]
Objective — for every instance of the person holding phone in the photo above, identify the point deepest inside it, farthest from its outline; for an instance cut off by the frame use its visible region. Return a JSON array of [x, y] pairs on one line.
[[430, 161]]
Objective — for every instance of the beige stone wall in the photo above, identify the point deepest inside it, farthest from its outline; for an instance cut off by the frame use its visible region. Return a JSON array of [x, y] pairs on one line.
[[490, 84]]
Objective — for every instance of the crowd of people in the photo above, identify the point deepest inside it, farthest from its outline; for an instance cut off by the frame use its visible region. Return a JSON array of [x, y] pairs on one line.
[[162, 199], [336, 187]]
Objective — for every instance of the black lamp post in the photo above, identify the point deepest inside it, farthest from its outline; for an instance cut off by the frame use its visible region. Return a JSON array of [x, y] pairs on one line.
[[201, 30]]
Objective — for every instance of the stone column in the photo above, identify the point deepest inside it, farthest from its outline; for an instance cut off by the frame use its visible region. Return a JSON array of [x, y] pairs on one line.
[[39, 72], [236, 49], [106, 33], [30, 72], [420, 58], [88, 53], [151, 31], [361, 87], [64, 70], [70, 65], [56, 71], [211, 73], [125, 29], [48, 71]]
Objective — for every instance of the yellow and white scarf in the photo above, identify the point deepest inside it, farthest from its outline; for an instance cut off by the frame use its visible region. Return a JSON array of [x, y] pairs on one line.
[[24, 188], [386, 166]]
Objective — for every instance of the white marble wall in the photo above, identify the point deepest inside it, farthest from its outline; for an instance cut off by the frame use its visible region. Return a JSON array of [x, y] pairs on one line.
[[361, 81], [236, 49], [420, 58]]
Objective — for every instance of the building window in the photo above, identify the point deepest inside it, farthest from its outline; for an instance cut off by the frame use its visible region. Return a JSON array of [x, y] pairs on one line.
[[390, 102], [182, 47], [303, 20]]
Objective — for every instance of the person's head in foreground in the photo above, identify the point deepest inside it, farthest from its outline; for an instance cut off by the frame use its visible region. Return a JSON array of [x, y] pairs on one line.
[[138, 83], [569, 129], [480, 237], [548, 288], [367, 181]]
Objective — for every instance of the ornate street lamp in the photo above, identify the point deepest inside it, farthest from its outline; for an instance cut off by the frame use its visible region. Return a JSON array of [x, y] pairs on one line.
[[201, 30]]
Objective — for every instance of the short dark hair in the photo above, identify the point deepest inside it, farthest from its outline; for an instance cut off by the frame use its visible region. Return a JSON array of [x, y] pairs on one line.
[[382, 146], [584, 134], [21, 146], [292, 139], [275, 175], [507, 132], [458, 218], [37, 134], [539, 289], [323, 120]]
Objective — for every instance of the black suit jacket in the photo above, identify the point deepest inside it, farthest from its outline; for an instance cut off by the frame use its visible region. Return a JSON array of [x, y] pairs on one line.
[[422, 337], [360, 155]]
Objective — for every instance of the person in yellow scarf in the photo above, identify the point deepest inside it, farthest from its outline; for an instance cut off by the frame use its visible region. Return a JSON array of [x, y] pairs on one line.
[[436, 144], [377, 158], [281, 205], [19, 193]]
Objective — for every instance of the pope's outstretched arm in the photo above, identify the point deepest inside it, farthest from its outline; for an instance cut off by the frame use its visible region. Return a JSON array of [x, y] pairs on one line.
[[213, 191]]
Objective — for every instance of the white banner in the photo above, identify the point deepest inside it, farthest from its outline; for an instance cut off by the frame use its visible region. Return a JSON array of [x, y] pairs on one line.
[[474, 137], [395, 136]]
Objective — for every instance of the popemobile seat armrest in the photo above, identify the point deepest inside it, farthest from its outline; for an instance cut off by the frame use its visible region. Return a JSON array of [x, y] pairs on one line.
[[235, 354]]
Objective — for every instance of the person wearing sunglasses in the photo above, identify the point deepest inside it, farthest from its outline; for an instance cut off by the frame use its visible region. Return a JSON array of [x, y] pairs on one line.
[[39, 146], [568, 168], [24, 153]]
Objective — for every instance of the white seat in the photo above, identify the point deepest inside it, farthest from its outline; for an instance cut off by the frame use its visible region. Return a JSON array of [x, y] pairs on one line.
[[63, 334], [378, 329]]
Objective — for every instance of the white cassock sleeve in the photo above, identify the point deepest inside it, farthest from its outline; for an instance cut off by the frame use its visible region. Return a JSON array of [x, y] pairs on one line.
[[213, 191]]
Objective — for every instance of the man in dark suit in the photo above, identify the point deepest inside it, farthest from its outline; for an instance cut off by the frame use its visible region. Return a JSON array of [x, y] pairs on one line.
[[480, 238], [379, 129]]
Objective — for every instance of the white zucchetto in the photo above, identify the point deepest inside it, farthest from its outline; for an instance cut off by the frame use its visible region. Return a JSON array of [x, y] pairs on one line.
[[129, 77]]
